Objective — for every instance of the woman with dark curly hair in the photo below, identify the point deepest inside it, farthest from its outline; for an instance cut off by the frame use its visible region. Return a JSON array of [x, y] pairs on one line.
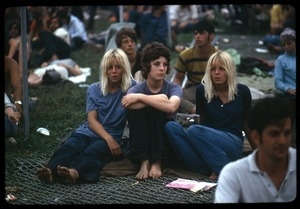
[[151, 104]]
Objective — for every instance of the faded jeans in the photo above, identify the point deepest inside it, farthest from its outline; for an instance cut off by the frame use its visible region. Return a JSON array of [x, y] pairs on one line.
[[203, 149]]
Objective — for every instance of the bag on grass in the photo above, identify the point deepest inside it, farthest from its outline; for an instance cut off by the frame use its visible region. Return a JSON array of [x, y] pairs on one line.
[[187, 119], [51, 76], [249, 63]]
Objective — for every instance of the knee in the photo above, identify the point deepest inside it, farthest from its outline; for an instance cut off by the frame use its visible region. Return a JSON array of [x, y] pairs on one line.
[[171, 126], [194, 130]]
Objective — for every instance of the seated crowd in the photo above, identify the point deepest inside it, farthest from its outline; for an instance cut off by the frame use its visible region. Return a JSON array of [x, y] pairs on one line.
[[133, 92]]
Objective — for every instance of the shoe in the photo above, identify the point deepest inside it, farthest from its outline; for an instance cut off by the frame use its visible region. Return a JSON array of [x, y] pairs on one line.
[[10, 141]]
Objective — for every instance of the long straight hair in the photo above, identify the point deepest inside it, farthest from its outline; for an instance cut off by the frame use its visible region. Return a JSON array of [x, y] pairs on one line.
[[224, 59], [122, 59]]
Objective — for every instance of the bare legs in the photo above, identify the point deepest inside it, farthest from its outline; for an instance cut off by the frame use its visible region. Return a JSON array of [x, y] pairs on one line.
[[70, 174], [147, 170]]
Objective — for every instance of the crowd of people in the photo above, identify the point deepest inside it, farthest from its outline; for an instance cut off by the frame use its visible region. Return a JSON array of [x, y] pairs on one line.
[[133, 91]]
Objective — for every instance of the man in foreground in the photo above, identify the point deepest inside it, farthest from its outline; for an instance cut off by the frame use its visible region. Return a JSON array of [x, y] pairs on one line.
[[269, 173]]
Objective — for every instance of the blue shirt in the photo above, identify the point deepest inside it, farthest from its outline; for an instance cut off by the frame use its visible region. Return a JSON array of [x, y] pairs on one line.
[[111, 113], [169, 89], [285, 72], [229, 117], [76, 28]]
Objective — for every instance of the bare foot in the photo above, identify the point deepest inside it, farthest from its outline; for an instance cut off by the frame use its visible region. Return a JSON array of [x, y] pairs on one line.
[[213, 176], [155, 170], [70, 174], [144, 171], [44, 174]]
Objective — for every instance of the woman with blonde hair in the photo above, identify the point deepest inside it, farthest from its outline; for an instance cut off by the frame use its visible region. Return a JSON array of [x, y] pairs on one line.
[[97, 141], [223, 105]]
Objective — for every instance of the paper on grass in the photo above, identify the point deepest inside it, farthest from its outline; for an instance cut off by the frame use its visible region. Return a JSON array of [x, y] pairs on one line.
[[202, 186], [191, 185]]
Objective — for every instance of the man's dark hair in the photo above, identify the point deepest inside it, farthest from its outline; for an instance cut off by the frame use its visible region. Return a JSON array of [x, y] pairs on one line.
[[125, 32], [151, 52], [63, 14], [268, 111], [204, 25]]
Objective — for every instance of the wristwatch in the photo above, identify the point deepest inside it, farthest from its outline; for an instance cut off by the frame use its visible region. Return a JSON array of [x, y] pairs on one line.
[[18, 102]]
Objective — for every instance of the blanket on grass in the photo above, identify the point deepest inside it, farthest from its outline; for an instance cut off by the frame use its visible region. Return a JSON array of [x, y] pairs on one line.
[[170, 167], [126, 167]]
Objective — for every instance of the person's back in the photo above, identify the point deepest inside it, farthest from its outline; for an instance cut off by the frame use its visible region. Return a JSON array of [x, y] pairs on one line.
[[192, 62], [269, 173]]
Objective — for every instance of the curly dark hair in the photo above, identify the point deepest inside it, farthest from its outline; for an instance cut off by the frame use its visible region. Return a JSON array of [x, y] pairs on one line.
[[125, 32], [151, 52]]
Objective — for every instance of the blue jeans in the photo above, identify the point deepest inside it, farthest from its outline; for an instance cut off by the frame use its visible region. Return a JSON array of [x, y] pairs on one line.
[[203, 149], [85, 154], [11, 129]]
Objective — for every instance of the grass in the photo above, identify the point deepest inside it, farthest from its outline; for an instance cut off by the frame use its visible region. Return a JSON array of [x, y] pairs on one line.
[[61, 108]]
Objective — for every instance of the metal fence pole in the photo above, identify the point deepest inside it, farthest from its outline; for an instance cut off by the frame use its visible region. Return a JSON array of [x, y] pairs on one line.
[[25, 71]]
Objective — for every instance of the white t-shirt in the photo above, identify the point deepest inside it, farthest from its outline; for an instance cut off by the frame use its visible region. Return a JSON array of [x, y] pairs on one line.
[[63, 34], [178, 13]]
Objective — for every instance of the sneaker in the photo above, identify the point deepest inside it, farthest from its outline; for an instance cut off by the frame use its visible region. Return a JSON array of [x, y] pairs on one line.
[[10, 141]]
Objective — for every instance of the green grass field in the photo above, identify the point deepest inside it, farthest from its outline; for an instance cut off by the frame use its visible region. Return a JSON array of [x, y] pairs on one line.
[[61, 108]]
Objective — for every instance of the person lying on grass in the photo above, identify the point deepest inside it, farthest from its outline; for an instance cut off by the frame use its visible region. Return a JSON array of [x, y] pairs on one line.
[[97, 141], [65, 68]]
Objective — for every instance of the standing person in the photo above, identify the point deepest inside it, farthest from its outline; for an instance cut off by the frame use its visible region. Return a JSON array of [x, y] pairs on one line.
[[223, 105], [192, 62], [126, 39], [75, 28], [285, 66], [269, 173], [151, 104], [96, 141]]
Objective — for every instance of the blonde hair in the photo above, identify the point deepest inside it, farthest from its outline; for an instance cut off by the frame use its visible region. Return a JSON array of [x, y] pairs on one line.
[[120, 56], [225, 60]]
